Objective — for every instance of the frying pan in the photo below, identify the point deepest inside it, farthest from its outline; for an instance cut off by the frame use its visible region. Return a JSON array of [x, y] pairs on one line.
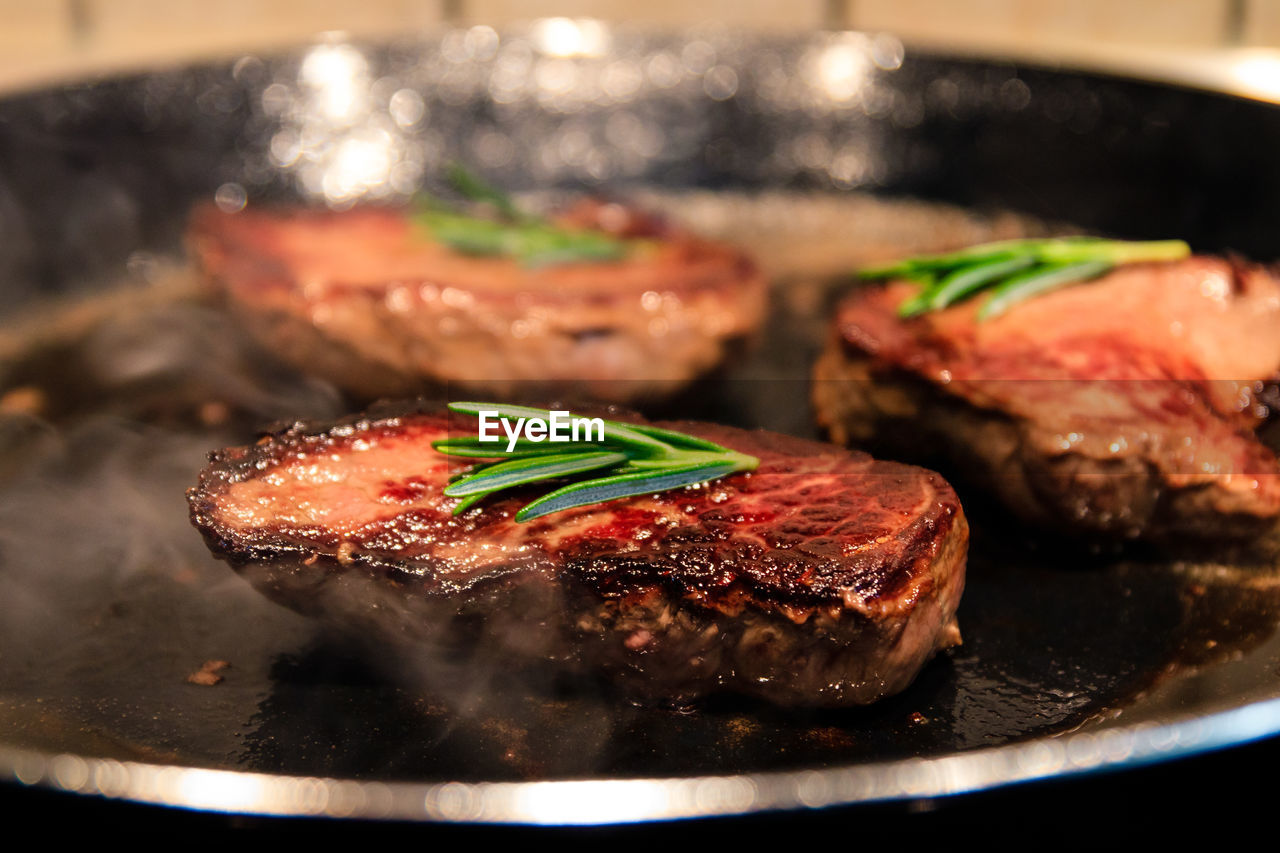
[[1075, 659]]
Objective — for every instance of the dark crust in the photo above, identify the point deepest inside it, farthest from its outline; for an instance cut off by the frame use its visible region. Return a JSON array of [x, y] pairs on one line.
[[793, 623], [820, 575]]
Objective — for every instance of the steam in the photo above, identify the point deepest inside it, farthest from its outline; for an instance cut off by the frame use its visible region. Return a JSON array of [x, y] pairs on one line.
[[109, 598], [94, 491], [105, 588]]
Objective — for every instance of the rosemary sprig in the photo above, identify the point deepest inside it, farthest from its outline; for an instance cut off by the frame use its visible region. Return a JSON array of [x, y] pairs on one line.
[[627, 459], [514, 233], [534, 244], [1016, 270], [472, 186]]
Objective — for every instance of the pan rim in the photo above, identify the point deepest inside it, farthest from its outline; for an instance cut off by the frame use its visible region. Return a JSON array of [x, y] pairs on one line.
[[601, 801]]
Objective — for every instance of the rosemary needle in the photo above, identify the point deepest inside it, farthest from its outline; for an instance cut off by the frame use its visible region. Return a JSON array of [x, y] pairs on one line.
[[627, 459], [1039, 280], [1015, 270], [514, 233]]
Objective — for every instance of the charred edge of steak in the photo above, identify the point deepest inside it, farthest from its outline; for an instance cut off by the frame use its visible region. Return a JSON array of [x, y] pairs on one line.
[[860, 403], [913, 545], [654, 646], [234, 464], [653, 637]]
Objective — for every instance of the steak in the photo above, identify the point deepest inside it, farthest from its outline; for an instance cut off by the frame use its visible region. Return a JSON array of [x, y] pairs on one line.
[[365, 299], [822, 578], [1123, 407]]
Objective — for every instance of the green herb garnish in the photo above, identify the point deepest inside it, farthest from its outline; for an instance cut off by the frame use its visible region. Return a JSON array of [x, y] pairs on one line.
[[626, 459], [512, 233], [1016, 270], [472, 186], [533, 244]]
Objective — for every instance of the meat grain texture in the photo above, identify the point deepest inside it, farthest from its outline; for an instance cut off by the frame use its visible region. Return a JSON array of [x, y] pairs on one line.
[[368, 300], [1123, 407], [822, 578]]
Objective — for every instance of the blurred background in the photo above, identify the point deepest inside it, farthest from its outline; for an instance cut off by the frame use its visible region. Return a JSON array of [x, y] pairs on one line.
[[1220, 43]]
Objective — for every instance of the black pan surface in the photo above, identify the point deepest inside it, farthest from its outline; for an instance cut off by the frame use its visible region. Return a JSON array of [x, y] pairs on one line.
[[117, 376]]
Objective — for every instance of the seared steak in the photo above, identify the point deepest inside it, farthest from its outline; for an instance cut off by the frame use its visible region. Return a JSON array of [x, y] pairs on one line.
[[1122, 407], [825, 577], [366, 299]]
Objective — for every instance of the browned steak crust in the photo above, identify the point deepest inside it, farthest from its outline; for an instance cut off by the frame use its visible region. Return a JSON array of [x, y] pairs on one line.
[[366, 299], [1124, 407], [823, 578]]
